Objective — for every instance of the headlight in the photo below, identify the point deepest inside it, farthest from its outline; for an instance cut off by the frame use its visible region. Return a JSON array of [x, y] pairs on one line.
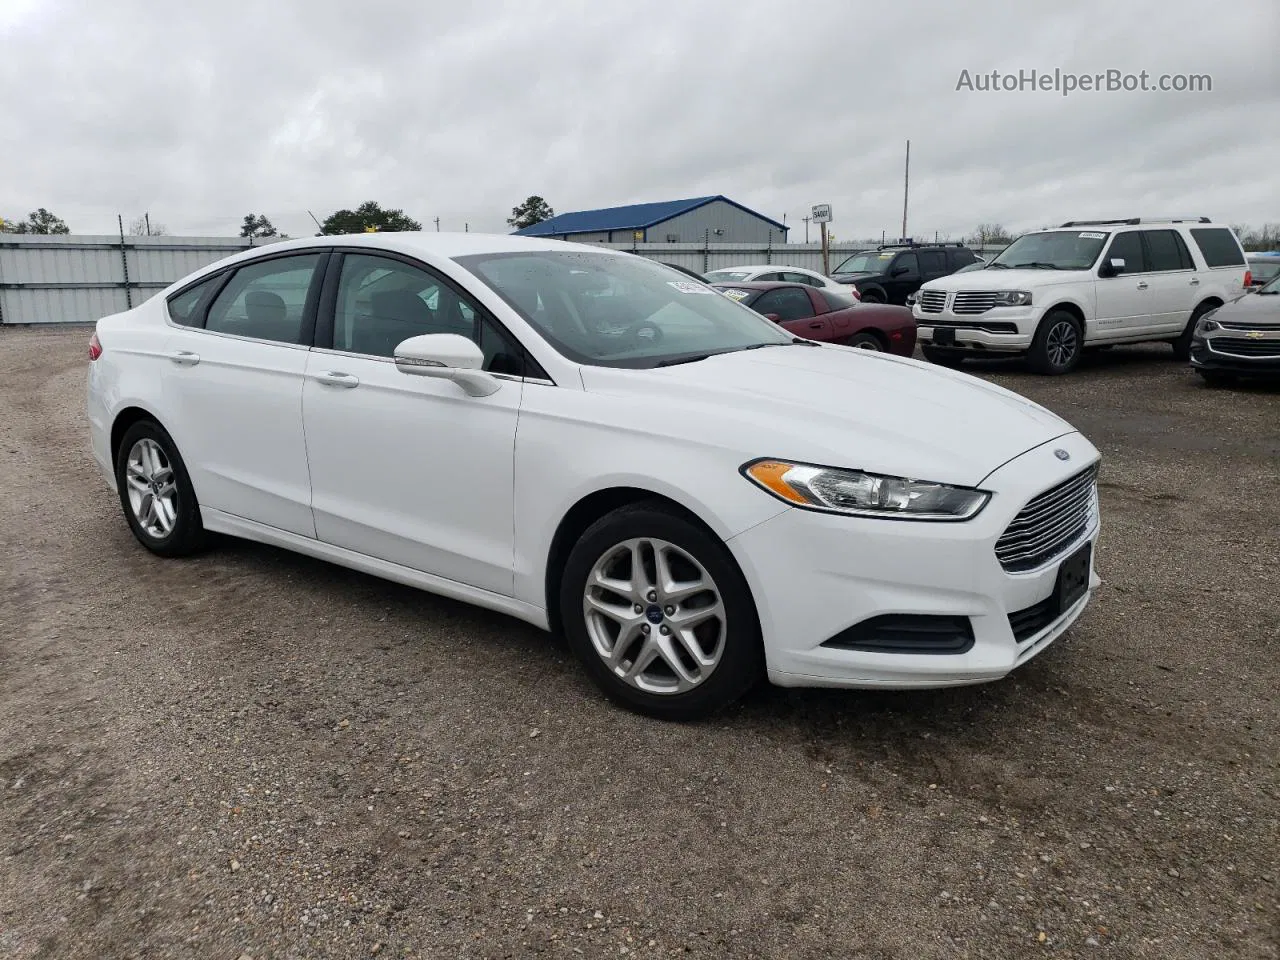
[[1013, 298], [911, 299], [1207, 323], [856, 493]]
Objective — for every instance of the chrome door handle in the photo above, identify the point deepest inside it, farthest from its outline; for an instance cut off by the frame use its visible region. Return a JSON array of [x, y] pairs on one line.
[[1195, 281], [185, 358], [335, 378], [1142, 284]]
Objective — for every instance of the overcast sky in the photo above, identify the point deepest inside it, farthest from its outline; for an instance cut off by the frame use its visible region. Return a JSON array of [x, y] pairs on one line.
[[200, 112]]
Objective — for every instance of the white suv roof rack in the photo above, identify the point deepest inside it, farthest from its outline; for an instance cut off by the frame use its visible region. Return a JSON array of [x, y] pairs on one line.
[[1132, 221]]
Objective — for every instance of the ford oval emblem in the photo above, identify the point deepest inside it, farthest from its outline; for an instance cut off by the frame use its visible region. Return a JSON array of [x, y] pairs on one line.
[[1062, 454]]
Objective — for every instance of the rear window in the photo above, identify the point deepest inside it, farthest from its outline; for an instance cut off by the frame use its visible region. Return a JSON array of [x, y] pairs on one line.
[[1218, 246], [961, 256], [837, 299]]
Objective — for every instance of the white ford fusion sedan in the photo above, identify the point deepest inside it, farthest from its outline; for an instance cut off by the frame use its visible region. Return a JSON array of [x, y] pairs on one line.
[[593, 443]]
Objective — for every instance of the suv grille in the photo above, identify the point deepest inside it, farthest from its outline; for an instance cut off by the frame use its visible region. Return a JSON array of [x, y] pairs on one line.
[[1242, 347], [932, 301], [1048, 524], [976, 301]]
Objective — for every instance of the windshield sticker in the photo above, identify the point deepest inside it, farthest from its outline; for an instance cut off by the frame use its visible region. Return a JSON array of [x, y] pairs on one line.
[[735, 295], [687, 286], [1093, 236]]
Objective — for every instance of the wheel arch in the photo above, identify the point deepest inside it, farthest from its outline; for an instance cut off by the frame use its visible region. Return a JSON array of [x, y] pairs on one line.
[[586, 511], [125, 418]]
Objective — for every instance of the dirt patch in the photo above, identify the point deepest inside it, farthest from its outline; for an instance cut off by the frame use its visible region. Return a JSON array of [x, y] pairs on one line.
[[253, 753]]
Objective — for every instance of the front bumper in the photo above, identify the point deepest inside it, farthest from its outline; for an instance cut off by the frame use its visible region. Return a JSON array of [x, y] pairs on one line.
[[1210, 352], [814, 575], [998, 330]]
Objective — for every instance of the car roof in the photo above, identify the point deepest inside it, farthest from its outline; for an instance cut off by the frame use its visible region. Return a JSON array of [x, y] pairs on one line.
[[437, 244], [762, 267]]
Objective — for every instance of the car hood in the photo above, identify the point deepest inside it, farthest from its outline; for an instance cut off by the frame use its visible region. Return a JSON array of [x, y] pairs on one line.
[[1002, 279], [838, 406], [1257, 308]]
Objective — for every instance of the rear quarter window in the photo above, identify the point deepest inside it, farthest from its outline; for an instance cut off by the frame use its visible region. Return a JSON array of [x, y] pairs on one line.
[[836, 299], [1218, 246]]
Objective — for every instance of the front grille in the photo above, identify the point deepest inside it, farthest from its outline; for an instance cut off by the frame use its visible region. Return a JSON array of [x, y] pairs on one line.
[[1241, 347], [977, 301], [991, 326], [1048, 524], [932, 301], [1236, 325], [1025, 624]]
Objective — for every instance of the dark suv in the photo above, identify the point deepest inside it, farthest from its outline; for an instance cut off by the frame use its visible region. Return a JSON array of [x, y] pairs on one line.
[[889, 274]]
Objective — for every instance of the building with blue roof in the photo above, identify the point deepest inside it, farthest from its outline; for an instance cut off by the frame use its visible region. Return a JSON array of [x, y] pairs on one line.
[[717, 219]]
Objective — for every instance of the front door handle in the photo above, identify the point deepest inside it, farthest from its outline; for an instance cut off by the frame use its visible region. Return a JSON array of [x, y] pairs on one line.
[[1195, 281], [1142, 284], [185, 358], [335, 378], [815, 326]]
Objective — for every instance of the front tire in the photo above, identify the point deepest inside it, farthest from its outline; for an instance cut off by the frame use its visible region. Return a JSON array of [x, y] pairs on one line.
[[156, 493], [1058, 344], [660, 615]]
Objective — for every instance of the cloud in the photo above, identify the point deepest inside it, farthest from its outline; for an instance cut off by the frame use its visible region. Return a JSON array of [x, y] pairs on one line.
[[201, 112]]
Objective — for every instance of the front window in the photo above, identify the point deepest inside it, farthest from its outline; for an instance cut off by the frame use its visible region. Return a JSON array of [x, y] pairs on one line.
[[872, 262], [614, 311], [1052, 250]]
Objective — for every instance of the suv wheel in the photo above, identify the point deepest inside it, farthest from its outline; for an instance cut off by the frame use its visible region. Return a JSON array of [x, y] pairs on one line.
[[873, 295], [1182, 345], [660, 615], [1058, 344]]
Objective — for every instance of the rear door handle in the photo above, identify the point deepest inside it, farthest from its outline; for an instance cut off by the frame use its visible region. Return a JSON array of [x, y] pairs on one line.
[[1142, 284], [335, 378], [185, 358], [1195, 281]]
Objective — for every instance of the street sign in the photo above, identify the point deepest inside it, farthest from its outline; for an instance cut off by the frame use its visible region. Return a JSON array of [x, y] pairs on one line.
[[821, 213], [637, 236]]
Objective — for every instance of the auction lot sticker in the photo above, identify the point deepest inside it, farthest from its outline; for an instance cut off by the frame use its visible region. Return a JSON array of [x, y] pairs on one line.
[[687, 286]]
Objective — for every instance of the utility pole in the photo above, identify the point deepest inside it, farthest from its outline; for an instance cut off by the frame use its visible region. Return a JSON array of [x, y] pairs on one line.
[[806, 228], [147, 218], [906, 181], [437, 224], [826, 256], [466, 228]]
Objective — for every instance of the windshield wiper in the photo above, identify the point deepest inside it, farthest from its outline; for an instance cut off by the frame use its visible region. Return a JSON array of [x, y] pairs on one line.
[[672, 361], [996, 266], [1037, 265]]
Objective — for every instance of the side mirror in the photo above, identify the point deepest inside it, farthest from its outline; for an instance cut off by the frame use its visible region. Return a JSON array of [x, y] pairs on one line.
[[774, 317], [446, 356], [1111, 267]]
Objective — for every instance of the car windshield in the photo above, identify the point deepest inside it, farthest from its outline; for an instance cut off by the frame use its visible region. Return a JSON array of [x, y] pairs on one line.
[[1271, 286], [609, 310], [727, 276], [1264, 270], [1052, 250], [872, 262]]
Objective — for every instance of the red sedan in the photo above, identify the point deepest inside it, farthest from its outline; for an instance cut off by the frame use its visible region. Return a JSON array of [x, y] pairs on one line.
[[828, 315]]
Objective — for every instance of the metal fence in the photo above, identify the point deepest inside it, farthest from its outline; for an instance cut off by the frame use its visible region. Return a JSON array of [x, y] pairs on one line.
[[77, 279]]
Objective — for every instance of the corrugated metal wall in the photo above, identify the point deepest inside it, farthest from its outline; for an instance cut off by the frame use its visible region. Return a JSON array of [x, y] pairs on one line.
[[738, 226], [715, 256], [77, 279]]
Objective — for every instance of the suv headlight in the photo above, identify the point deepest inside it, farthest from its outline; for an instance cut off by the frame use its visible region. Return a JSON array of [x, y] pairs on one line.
[[861, 494], [1013, 298]]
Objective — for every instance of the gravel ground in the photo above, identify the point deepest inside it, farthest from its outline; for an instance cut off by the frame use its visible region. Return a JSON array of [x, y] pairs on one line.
[[253, 754]]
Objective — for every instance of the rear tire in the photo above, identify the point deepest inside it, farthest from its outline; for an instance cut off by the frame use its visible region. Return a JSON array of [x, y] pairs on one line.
[[1058, 344], [711, 635], [942, 357], [873, 296], [155, 490], [1182, 345], [866, 341]]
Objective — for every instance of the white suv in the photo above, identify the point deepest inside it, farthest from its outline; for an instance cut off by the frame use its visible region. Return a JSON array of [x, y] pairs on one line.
[[1090, 283]]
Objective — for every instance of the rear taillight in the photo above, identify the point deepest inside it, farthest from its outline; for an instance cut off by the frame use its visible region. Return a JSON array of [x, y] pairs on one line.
[[853, 291], [1248, 279], [95, 347]]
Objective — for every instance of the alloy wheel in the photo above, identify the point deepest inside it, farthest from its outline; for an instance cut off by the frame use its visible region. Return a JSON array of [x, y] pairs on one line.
[[1062, 343], [654, 616], [152, 488]]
